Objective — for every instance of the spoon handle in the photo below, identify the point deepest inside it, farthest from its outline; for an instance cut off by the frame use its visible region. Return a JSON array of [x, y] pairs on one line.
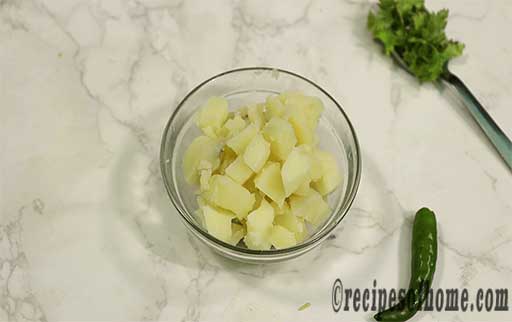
[[500, 141]]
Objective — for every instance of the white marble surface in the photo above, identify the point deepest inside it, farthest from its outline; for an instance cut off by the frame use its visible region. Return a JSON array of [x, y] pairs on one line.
[[86, 230]]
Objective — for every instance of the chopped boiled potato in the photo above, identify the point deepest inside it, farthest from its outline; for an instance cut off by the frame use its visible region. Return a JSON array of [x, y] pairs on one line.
[[239, 171], [331, 177], [316, 167], [257, 153], [260, 174], [240, 141], [255, 115], [306, 148], [259, 225], [218, 222], [201, 201], [280, 209], [304, 133], [270, 183], [212, 115], [233, 126], [260, 219], [204, 165], [281, 237], [316, 107], [285, 96], [303, 190], [204, 179], [204, 169], [310, 107], [237, 233], [301, 236], [295, 171], [227, 194], [290, 222], [210, 131], [312, 207], [274, 107], [243, 112], [227, 156], [281, 136], [258, 240], [202, 148]]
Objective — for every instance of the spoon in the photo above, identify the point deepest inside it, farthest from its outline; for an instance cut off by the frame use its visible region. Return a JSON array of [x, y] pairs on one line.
[[493, 132]]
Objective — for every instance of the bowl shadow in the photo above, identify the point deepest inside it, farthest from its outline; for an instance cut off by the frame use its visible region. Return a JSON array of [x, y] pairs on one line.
[[141, 203]]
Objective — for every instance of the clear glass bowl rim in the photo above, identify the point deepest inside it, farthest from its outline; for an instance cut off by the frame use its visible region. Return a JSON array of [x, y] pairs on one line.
[[309, 243]]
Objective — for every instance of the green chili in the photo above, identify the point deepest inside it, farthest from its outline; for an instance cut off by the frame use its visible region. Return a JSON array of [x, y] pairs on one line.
[[423, 265]]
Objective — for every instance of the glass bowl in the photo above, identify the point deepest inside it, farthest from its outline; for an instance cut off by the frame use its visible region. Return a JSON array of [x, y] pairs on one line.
[[240, 87]]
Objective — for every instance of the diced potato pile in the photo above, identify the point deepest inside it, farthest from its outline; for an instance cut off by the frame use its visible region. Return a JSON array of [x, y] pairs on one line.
[[262, 179]]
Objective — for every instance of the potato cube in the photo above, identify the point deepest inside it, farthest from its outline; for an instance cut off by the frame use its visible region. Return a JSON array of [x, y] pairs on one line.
[[218, 222], [290, 222], [210, 132], [274, 107], [316, 166], [227, 156], [295, 171], [257, 153], [259, 225], [280, 210], [204, 165], [310, 107], [201, 201], [281, 136], [312, 207], [258, 240], [306, 148], [240, 141], [255, 115], [303, 234], [239, 171], [203, 148], [204, 179], [281, 237], [270, 183], [227, 194], [303, 190], [316, 107], [303, 131], [285, 96], [331, 176], [212, 115], [238, 232], [233, 126], [260, 219], [243, 112]]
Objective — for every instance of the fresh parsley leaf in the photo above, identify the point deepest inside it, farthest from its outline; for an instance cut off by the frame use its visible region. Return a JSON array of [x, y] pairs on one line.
[[416, 34]]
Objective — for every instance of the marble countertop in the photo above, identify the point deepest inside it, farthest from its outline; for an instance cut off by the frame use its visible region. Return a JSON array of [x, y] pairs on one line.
[[87, 232]]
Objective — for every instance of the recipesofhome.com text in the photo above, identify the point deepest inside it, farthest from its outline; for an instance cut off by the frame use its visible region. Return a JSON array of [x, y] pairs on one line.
[[453, 299]]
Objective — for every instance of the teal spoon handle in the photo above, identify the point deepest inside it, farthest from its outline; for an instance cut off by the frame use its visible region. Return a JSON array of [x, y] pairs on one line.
[[500, 141]]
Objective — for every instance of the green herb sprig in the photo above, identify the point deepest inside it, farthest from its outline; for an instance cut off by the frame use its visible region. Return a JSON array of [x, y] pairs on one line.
[[417, 35]]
